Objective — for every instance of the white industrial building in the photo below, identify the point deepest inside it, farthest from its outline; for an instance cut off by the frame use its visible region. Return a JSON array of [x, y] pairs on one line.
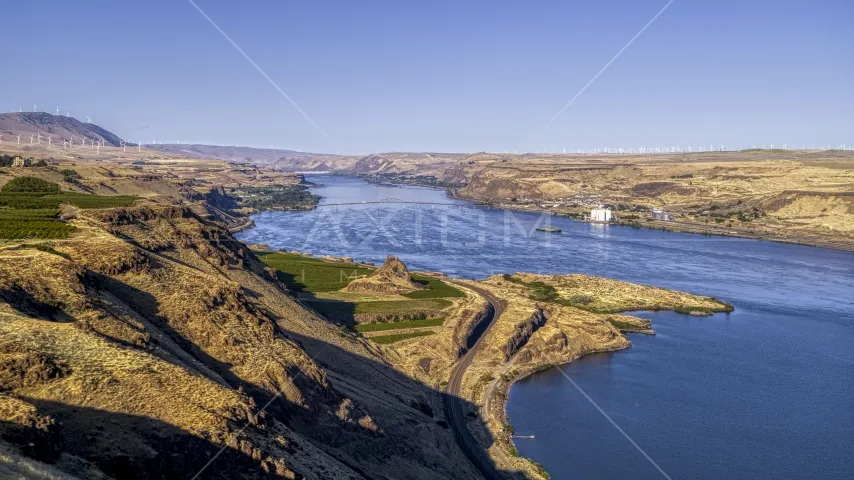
[[600, 215]]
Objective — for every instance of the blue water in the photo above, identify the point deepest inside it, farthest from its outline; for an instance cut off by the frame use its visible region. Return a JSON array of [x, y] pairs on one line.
[[764, 392]]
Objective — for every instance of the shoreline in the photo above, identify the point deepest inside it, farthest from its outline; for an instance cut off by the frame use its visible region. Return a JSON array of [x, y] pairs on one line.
[[494, 401], [650, 224], [499, 390], [688, 227], [492, 404], [501, 386]]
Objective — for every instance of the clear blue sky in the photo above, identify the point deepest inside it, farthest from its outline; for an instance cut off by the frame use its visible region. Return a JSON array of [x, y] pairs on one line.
[[440, 75]]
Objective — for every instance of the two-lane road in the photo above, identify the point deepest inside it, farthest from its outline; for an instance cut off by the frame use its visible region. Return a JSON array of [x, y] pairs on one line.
[[455, 410]]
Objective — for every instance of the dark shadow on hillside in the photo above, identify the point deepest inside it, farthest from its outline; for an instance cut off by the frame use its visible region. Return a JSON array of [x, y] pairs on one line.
[[25, 303], [330, 429], [412, 425], [127, 446], [147, 306], [336, 311], [421, 407]]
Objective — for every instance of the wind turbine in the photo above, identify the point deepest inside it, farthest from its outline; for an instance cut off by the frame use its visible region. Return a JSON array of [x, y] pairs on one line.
[[31, 139], [19, 139], [35, 107], [48, 139], [88, 119], [57, 111]]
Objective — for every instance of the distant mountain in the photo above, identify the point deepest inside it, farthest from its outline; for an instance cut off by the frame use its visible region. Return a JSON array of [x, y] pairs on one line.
[[255, 156], [34, 123]]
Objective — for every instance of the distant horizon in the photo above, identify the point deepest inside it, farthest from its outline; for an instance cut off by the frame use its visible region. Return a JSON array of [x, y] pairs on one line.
[[337, 77], [611, 151]]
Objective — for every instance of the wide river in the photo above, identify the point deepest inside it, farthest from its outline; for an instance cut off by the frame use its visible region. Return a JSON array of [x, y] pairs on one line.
[[764, 392]]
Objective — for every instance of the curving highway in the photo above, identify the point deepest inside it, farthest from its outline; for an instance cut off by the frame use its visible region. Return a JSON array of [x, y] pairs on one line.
[[455, 410]]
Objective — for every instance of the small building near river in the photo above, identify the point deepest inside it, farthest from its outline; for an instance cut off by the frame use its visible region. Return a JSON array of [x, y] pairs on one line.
[[600, 215]]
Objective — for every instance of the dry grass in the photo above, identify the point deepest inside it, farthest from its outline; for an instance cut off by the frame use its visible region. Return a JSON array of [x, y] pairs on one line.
[[685, 184], [152, 322], [605, 295]]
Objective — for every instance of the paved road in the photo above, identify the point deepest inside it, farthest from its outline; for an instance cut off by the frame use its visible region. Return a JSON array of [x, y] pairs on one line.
[[455, 410]]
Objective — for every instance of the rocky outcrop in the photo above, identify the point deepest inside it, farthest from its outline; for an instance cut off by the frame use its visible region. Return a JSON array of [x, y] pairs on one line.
[[392, 278], [155, 340], [522, 333], [219, 199]]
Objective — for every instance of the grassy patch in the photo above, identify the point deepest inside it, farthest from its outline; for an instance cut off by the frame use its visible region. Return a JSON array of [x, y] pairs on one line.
[[383, 306], [381, 327], [306, 274], [30, 184], [29, 214], [29, 208], [434, 288], [542, 292], [316, 276], [276, 197], [12, 229], [82, 200], [386, 339], [38, 200]]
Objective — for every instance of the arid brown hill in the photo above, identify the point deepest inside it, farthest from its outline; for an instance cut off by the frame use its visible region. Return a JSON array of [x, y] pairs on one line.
[[60, 127], [233, 154], [392, 278], [151, 342]]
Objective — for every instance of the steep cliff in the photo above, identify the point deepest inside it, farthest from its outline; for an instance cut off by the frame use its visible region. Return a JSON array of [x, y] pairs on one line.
[[152, 343]]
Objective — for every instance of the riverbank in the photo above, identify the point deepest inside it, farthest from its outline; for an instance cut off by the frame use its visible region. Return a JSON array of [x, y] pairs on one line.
[[697, 228], [551, 320], [245, 225], [781, 291], [752, 232], [538, 322]]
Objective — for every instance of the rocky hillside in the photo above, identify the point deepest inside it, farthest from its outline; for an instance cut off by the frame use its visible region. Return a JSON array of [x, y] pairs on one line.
[[783, 195], [151, 343], [392, 278], [57, 126]]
